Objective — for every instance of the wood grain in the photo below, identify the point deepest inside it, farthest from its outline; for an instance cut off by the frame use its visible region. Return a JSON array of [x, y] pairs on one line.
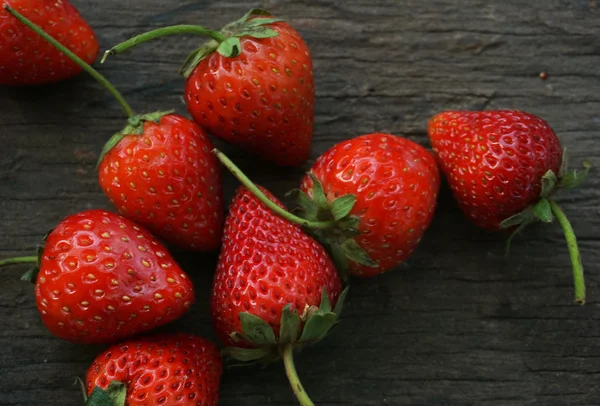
[[458, 324]]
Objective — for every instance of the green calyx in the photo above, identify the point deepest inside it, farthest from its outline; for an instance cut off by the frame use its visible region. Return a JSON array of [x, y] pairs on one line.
[[226, 41], [31, 274], [135, 126], [547, 210], [114, 395], [339, 238], [296, 329]]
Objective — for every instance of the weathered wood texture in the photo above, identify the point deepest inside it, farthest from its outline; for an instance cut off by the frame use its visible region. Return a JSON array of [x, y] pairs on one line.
[[458, 324]]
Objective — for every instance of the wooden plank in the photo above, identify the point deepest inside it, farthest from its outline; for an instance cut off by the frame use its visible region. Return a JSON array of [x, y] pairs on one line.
[[458, 324]]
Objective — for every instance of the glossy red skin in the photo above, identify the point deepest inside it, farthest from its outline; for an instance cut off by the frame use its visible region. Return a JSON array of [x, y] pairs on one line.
[[27, 59], [103, 278], [168, 180], [261, 100], [396, 182], [163, 370], [265, 263], [494, 160]]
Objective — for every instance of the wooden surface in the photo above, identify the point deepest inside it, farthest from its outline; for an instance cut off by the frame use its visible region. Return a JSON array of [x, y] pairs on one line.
[[458, 324]]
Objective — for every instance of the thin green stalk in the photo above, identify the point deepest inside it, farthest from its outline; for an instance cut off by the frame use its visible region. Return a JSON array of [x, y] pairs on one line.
[[265, 200], [287, 354], [578, 277], [19, 260], [80, 62], [163, 32]]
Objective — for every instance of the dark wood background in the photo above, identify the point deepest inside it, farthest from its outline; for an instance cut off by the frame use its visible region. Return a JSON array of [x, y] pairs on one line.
[[458, 324]]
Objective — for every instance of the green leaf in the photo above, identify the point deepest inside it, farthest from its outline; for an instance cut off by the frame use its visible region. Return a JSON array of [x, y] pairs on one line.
[[518, 230], [317, 327], [262, 21], [257, 32], [246, 354], [253, 12], [31, 275], [564, 165], [357, 254], [230, 48], [572, 179], [112, 142], [338, 256], [543, 211], [517, 219], [197, 56], [342, 206], [325, 306], [308, 205], [339, 306], [290, 326], [114, 395], [256, 329], [318, 194], [548, 183]]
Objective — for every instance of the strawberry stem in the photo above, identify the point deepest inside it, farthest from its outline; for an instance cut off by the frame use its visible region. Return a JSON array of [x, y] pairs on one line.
[[265, 200], [287, 354], [80, 62], [578, 277], [19, 260], [163, 32]]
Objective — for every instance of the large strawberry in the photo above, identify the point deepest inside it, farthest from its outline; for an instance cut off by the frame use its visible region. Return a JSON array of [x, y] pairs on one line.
[[100, 278], [159, 171], [503, 167], [26, 59], [274, 287], [251, 85], [167, 369]]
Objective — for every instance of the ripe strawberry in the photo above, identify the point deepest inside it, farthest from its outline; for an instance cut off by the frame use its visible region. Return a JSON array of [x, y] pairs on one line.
[[163, 175], [274, 285], [502, 167], [251, 85], [100, 278], [159, 170], [26, 59], [167, 369], [387, 185]]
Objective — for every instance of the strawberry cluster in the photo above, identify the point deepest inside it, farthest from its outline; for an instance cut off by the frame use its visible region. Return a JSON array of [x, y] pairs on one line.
[[282, 276]]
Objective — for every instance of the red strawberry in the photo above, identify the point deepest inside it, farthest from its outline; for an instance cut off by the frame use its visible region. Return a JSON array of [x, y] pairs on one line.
[[168, 369], [274, 286], [26, 59], [167, 179], [159, 171], [252, 85], [502, 167], [102, 278], [392, 183]]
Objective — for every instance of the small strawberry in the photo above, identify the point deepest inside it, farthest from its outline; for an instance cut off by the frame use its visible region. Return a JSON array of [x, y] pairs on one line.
[[251, 85], [26, 59], [159, 171], [274, 286], [503, 166], [167, 369], [100, 278]]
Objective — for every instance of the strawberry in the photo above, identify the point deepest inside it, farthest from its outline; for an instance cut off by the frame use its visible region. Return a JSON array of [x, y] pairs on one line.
[[167, 369], [503, 166], [159, 170], [100, 278], [274, 286], [251, 85], [386, 185], [26, 59], [161, 173]]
